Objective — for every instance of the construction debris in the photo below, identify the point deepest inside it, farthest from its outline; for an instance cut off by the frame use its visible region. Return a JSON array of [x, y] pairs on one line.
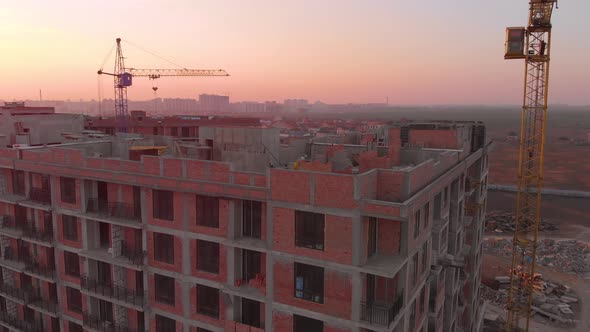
[[500, 222], [552, 302], [569, 256]]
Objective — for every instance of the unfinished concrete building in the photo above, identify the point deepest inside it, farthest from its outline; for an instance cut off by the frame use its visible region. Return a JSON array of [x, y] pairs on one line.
[[234, 232]]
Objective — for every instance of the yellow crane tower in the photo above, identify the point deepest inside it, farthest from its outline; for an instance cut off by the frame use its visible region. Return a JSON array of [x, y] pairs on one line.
[[533, 44]]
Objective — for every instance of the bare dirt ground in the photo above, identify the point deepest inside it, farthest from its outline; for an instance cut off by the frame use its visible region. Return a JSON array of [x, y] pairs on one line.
[[570, 214]]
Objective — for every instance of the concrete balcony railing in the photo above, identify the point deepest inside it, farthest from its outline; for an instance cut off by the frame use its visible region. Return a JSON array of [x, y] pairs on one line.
[[9, 222], [25, 295], [118, 210], [40, 196], [45, 304], [134, 256], [113, 291], [28, 325], [101, 325], [33, 232], [12, 259], [381, 314], [237, 327], [39, 269]]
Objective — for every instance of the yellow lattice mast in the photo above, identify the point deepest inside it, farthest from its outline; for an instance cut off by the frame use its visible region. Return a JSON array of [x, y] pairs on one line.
[[533, 44]]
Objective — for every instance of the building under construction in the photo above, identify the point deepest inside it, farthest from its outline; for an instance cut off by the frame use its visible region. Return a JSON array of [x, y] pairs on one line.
[[231, 230]]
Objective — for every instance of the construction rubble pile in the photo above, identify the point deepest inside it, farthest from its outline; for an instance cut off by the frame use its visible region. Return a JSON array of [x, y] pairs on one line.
[[552, 302], [501, 222], [569, 256]]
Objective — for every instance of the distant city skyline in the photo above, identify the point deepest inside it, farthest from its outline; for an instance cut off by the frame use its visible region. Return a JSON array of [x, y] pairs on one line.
[[413, 53]]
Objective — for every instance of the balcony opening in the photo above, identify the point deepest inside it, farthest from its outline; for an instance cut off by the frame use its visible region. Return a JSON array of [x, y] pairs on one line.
[[73, 327], [139, 282], [309, 283], [309, 230], [164, 289], [372, 240], [104, 231], [41, 194], [70, 227], [18, 182], [74, 298], [306, 324], [251, 264], [47, 222], [251, 313], [163, 204], [382, 301], [140, 321], [71, 264], [136, 202], [252, 219], [26, 282], [164, 248], [104, 273], [68, 190], [207, 211], [208, 301], [105, 311], [208, 256], [102, 191], [437, 206], [165, 324], [20, 214]]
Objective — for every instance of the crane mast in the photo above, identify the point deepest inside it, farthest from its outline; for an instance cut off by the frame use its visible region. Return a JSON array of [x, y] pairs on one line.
[[123, 78], [120, 80], [533, 44]]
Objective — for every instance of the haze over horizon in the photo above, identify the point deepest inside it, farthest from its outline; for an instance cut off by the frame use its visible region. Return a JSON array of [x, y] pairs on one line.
[[416, 53]]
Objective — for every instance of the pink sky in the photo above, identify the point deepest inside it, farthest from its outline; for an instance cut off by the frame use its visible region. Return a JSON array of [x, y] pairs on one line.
[[414, 52]]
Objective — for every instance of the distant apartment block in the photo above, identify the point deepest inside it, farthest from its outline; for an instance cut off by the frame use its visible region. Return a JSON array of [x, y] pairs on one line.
[[379, 231], [213, 103]]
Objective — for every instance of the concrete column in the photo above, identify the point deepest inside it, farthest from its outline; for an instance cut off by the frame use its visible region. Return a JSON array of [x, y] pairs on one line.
[[186, 258], [269, 293], [357, 241], [356, 298], [232, 220], [231, 264]]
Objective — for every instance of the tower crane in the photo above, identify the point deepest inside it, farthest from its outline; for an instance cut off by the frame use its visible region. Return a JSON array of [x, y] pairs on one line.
[[533, 44], [123, 77]]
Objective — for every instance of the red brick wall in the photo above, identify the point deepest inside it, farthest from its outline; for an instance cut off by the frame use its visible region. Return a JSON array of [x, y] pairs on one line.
[[64, 307], [337, 243], [388, 236], [221, 276], [334, 191], [290, 186], [337, 291], [204, 318], [178, 213], [435, 138], [370, 160], [177, 308], [389, 185], [179, 327], [223, 217], [56, 183], [282, 321], [177, 266], [60, 234]]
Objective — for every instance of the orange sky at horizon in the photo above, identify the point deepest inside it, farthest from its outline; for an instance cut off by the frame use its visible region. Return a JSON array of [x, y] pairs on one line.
[[335, 51]]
